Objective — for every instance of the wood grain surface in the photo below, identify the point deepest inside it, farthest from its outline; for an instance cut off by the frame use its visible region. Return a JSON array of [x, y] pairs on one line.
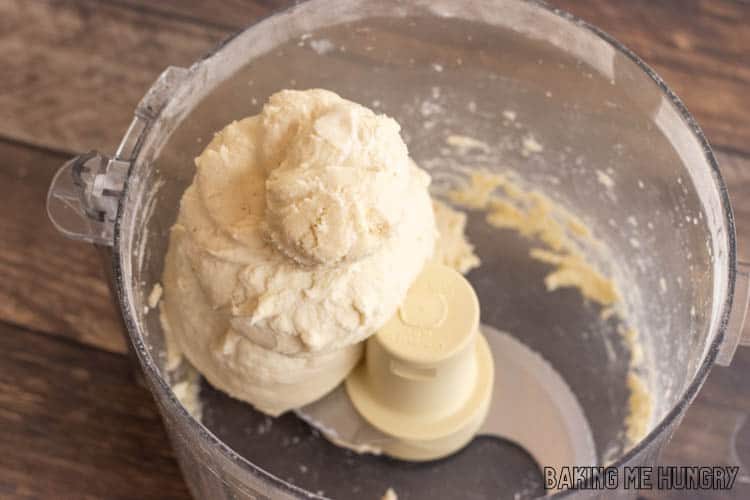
[[49, 284], [698, 47], [74, 71], [72, 422]]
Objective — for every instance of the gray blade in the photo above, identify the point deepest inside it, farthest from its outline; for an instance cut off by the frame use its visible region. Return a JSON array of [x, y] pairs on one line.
[[531, 406], [534, 407], [338, 420]]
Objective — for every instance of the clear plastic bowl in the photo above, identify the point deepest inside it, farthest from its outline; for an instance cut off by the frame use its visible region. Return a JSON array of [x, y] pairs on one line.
[[441, 68]]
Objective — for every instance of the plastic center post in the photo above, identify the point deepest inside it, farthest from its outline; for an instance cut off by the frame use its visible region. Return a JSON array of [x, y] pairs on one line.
[[427, 375], [438, 319], [428, 311]]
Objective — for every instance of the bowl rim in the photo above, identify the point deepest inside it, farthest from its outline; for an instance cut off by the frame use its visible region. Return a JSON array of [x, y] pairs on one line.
[[160, 385]]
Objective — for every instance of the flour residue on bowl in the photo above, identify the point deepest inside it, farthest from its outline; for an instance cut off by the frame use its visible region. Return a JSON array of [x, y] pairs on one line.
[[155, 296], [639, 401], [183, 378], [187, 392]]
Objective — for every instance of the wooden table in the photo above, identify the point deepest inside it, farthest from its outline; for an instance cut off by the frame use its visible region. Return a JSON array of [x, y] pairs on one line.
[[72, 422]]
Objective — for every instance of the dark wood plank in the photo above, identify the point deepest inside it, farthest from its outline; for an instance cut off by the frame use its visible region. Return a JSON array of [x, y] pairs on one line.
[[699, 47], [75, 425], [73, 72], [715, 430], [47, 282], [224, 14]]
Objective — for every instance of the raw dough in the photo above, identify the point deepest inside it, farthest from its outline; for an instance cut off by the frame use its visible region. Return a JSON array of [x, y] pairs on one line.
[[452, 248], [326, 182], [301, 233]]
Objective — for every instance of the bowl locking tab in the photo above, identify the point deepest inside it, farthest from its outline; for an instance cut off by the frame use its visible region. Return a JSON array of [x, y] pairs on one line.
[[84, 197], [735, 334]]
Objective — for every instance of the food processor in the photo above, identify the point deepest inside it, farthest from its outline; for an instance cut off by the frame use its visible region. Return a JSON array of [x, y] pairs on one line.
[[561, 105]]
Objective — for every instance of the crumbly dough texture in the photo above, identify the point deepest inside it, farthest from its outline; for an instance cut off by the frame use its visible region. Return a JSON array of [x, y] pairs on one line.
[[301, 233], [535, 216], [453, 249]]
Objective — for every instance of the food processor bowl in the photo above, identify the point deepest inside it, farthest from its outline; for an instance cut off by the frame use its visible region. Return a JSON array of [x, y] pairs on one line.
[[565, 108]]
